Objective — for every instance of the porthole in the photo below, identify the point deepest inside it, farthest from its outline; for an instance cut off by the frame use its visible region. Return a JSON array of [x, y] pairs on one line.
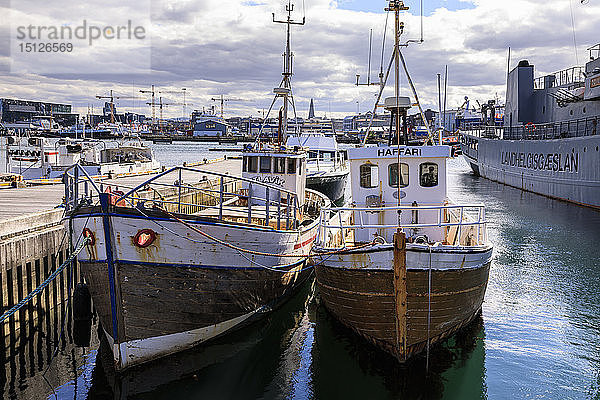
[[144, 238], [584, 110], [571, 112]]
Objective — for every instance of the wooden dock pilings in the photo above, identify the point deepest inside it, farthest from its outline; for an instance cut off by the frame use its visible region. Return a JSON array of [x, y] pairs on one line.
[[31, 248]]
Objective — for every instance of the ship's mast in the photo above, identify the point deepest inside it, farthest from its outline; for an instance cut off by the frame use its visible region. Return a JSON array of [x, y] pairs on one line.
[[285, 88], [397, 6]]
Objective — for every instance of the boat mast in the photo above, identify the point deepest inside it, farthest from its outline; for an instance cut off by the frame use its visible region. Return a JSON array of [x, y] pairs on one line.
[[285, 88]]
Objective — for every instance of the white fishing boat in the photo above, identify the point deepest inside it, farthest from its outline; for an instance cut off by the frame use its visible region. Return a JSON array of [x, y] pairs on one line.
[[172, 265], [411, 266], [38, 158], [327, 170]]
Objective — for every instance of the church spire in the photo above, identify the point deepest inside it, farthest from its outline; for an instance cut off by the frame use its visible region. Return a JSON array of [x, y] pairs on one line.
[[311, 110]]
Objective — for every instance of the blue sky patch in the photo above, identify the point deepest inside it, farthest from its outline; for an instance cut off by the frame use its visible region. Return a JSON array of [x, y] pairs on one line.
[[428, 5]]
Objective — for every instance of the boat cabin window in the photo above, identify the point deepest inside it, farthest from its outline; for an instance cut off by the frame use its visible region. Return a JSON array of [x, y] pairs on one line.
[[252, 164], [327, 156], [313, 154], [279, 165], [265, 164], [428, 174], [369, 175], [393, 175], [291, 166]]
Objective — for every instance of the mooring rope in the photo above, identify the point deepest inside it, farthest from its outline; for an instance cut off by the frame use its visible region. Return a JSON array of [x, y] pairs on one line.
[[43, 285], [260, 253]]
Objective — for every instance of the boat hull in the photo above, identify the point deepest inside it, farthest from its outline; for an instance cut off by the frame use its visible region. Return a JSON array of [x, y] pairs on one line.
[[358, 289], [177, 293], [331, 185], [565, 169]]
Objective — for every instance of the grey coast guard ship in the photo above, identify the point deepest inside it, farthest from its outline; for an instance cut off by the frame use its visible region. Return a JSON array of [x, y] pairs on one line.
[[550, 142]]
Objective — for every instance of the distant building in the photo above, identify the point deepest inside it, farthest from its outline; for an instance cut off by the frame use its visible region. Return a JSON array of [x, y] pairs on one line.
[[14, 111], [210, 127], [449, 120], [415, 120], [311, 110], [356, 122]]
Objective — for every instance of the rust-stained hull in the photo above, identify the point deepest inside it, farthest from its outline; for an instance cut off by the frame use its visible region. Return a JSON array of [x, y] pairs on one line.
[[358, 289], [183, 289], [180, 307]]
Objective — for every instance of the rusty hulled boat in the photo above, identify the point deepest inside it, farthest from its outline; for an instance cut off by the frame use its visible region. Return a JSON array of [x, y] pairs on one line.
[[402, 265], [172, 265], [412, 288]]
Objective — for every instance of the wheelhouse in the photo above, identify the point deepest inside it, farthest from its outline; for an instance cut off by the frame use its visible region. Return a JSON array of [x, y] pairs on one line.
[[384, 177], [286, 169]]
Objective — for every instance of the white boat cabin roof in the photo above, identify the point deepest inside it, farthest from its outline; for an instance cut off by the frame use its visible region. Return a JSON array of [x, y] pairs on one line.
[[375, 179], [314, 141]]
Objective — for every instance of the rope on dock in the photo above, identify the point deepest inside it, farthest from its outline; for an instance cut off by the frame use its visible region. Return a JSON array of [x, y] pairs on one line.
[[43, 285]]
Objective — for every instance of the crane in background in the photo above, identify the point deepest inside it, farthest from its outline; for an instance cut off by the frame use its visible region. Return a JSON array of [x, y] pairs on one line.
[[162, 104], [153, 103], [183, 92], [222, 100], [112, 98]]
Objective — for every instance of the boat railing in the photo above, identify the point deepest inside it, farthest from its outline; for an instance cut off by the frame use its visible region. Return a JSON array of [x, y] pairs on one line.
[[215, 195], [556, 130], [573, 76], [462, 224]]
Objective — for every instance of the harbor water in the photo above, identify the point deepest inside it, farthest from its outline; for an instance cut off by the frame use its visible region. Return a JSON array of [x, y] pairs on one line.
[[538, 335]]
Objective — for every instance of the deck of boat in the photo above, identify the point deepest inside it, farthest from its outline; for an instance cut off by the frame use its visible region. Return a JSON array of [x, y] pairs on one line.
[[21, 201]]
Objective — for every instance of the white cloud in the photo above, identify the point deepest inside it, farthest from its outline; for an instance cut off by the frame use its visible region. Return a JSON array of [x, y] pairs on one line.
[[233, 47]]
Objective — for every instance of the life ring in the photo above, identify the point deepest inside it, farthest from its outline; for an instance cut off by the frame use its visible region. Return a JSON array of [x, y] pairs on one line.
[[529, 127]]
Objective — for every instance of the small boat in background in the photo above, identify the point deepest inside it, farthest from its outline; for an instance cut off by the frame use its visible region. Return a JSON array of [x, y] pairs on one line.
[[162, 140], [327, 171], [38, 158]]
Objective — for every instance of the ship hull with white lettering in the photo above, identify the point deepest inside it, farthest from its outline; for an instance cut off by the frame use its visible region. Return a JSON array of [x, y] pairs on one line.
[[566, 169]]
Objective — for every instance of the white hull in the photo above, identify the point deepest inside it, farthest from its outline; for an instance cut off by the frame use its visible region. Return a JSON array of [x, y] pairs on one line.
[[30, 172], [566, 169], [136, 352]]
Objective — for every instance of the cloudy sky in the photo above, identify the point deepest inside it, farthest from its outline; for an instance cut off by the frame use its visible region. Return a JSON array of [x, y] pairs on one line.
[[232, 47]]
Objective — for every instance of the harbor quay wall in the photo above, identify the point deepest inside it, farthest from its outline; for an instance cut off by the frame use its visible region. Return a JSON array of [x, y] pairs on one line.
[[31, 248]]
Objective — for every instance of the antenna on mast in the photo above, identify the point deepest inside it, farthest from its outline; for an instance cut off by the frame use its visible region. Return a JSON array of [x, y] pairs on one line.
[[284, 89], [421, 40], [369, 65]]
